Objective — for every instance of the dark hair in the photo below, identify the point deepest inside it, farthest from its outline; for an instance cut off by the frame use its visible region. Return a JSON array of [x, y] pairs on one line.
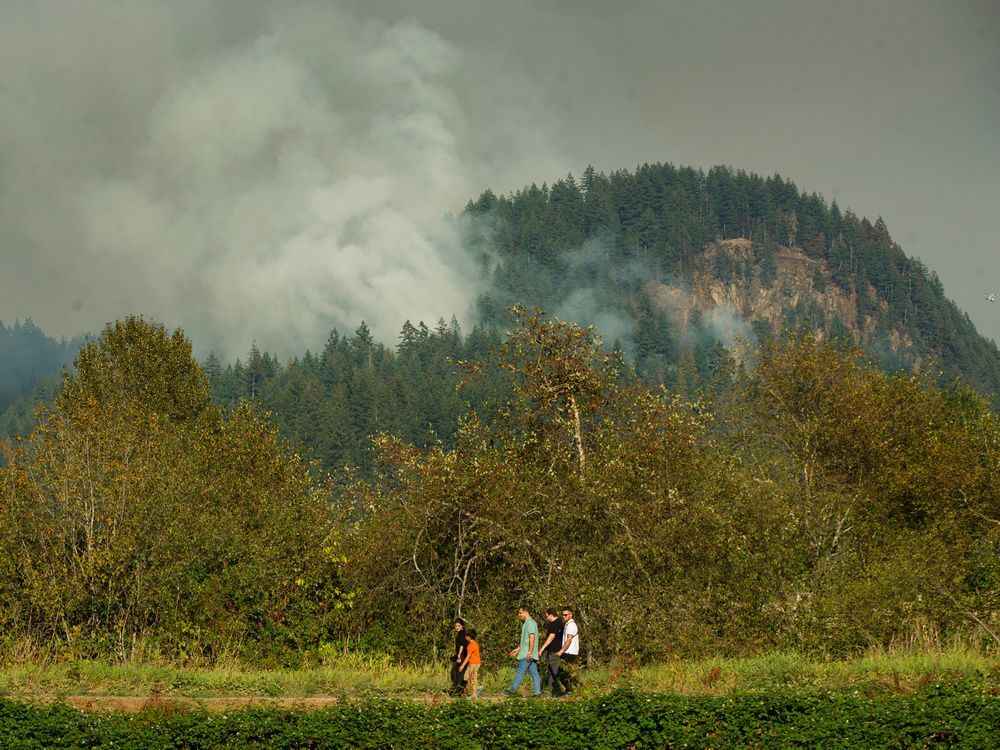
[[568, 609], [460, 621], [552, 612], [473, 634], [525, 608]]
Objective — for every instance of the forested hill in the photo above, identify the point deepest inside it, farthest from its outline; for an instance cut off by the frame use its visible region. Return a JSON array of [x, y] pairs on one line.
[[26, 354], [671, 260], [672, 264]]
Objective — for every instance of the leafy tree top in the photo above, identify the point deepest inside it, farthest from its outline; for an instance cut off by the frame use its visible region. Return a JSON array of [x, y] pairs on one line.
[[137, 360]]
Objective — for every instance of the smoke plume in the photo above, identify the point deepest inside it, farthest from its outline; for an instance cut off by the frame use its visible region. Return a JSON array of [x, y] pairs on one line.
[[241, 169]]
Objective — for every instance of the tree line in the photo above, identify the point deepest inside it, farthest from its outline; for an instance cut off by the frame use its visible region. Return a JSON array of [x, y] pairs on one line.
[[331, 404], [27, 354], [806, 500], [586, 249]]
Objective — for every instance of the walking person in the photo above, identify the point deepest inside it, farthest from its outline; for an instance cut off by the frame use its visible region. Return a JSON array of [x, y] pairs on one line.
[[527, 654], [569, 652], [548, 653], [471, 665], [461, 647]]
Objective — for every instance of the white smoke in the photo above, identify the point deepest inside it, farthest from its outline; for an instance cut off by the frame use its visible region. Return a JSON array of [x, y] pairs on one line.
[[583, 306], [726, 325], [241, 171]]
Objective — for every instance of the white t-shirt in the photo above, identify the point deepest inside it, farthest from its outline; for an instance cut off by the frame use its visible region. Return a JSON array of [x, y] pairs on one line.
[[570, 629]]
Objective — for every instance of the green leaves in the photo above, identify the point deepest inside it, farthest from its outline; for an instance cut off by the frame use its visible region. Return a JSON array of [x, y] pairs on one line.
[[815, 504], [137, 361], [959, 715], [137, 510]]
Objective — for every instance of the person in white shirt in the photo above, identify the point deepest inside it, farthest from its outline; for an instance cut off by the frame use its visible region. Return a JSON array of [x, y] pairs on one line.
[[569, 652]]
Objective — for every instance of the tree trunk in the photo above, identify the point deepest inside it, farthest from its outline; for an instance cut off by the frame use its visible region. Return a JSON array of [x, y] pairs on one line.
[[577, 435]]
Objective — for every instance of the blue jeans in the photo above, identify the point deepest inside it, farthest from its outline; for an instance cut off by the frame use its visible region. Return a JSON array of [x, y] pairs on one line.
[[529, 666]]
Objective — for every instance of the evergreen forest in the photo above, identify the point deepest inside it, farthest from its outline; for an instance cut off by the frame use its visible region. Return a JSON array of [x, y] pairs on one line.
[[588, 248], [26, 355]]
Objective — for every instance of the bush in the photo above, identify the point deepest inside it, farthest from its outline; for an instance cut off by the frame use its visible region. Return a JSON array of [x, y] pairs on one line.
[[959, 715]]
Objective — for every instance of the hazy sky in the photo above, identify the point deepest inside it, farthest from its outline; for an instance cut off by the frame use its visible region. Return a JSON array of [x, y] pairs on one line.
[[271, 170]]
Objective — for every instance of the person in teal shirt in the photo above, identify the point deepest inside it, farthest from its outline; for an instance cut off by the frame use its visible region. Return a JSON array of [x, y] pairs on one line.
[[527, 654]]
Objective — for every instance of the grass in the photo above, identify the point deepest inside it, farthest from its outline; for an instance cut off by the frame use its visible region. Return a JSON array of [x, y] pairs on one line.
[[900, 671], [358, 677], [348, 676]]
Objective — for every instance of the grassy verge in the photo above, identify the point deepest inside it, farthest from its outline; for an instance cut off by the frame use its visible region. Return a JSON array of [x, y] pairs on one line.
[[357, 677]]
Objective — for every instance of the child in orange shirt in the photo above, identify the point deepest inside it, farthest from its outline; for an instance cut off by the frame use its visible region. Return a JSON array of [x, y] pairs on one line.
[[472, 661]]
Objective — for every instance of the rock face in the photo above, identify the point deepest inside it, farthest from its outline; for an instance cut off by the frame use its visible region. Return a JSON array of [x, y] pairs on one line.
[[731, 288]]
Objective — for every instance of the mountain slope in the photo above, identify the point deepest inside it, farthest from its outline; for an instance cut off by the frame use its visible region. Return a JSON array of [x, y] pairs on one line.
[[636, 253], [670, 263]]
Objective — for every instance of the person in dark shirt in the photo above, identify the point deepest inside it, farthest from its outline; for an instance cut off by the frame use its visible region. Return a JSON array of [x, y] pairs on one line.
[[461, 647], [549, 652]]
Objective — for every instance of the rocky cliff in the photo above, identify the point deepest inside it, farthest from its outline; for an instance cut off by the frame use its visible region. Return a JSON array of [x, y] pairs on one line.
[[798, 288]]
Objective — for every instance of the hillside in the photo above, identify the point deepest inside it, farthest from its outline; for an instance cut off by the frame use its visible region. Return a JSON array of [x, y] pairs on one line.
[[670, 264], [801, 292], [671, 260]]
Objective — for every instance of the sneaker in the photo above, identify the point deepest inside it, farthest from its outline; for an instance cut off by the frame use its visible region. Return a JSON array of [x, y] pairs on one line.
[[478, 691]]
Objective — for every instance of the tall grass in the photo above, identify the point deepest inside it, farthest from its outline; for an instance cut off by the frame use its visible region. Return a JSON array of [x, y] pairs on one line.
[[351, 675], [896, 669]]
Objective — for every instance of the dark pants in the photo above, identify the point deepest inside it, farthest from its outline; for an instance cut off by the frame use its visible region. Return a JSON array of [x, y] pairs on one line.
[[457, 681], [552, 672], [567, 672]]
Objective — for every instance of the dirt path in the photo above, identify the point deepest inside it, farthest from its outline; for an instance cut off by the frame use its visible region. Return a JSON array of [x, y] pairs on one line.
[[184, 704]]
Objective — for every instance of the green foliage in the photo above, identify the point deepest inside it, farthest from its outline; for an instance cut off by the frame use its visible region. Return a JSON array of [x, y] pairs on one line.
[[765, 256], [136, 509], [814, 504], [137, 363], [959, 715], [809, 502], [20, 416], [888, 483], [331, 405]]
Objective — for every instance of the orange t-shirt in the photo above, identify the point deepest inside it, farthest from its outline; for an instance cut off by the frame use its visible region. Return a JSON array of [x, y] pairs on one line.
[[474, 652]]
